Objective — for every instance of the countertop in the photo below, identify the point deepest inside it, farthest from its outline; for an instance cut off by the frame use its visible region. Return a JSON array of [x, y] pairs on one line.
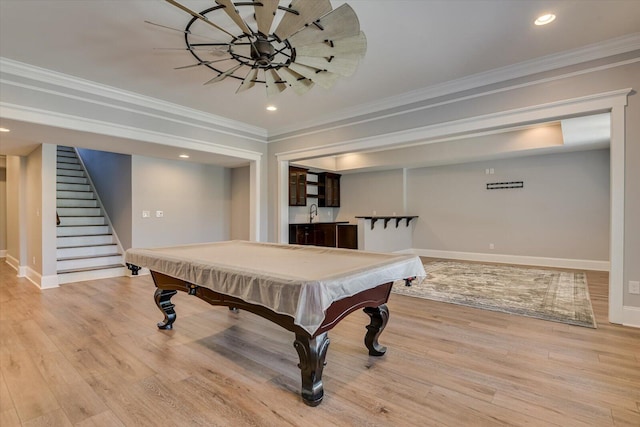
[[319, 222]]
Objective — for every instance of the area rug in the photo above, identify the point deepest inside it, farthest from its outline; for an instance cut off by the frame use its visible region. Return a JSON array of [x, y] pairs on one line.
[[544, 294]]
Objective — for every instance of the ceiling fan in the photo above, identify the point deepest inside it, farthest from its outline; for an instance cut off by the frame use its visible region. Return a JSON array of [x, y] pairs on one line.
[[311, 42]]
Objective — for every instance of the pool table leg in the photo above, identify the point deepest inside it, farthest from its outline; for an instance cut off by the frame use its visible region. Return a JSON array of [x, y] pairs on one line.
[[312, 352], [163, 301], [379, 318]]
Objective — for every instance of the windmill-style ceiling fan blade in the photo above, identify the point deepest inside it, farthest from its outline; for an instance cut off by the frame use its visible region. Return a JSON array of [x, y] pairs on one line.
[[199, 16], [224, 75], [273, 88], [343, 66], [340, 23], [356, 45], [213, 49], [202, 63], [309, 11], [298, 83], [265, 15], [231, 10], [249, 80], [181, 31], [323, 78]]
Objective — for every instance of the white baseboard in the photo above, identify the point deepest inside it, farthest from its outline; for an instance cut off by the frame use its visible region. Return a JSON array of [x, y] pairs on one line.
[[578, 264], [13, 263], [42, 282], [631, 316]]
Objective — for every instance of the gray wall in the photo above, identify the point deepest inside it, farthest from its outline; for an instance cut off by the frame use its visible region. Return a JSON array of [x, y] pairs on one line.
[[363, 193], [16, 209], [240, 186], [562, 211], [111, 175], [195, 200]]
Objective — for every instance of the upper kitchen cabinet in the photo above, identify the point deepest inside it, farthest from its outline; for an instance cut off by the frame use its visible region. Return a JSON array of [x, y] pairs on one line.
[[329, 190], [297, 186]]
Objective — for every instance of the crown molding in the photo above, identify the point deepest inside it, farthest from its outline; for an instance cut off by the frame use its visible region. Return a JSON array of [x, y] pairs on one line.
[[598, 102], [216, 123], [83, 124], [624, 44]]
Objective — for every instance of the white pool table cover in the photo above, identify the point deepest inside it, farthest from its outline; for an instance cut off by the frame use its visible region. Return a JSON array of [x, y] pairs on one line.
[[298, 281]]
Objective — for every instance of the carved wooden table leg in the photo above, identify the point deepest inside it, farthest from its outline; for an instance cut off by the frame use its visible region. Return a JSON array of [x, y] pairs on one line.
[[312, 352], [379, 318], [163, 301]]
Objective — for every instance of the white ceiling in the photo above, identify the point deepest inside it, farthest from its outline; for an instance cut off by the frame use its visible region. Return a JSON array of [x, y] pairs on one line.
[[412, 45]]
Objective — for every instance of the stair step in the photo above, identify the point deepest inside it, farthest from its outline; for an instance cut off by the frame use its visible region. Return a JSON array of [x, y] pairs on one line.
[[77, 195], [86, 251], [85, 256], [69, 172], [78, 211], [76, 270], [82, 220], [67, 160], [61, 179], [82, 275], [65, 148], [76, 203], [69, 166], [81, 230], [90, 262], [72, 241], [68, 186]]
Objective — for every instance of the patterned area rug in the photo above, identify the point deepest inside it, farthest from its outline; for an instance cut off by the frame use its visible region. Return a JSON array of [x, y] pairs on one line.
[[544, 294]]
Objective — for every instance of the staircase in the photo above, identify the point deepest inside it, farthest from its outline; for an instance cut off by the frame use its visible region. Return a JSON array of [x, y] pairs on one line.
[[86, 246]]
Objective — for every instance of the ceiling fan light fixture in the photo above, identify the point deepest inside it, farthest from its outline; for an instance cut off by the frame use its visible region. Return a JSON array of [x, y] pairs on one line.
[[545, 19], [329, 42]]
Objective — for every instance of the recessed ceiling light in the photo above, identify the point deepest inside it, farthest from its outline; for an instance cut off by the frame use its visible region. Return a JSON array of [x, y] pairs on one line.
[[184, 156], [545, 19], [4, 130], [271, 108]]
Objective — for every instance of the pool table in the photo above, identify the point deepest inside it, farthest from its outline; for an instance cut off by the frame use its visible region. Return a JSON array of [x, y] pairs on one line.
[[304, 289]]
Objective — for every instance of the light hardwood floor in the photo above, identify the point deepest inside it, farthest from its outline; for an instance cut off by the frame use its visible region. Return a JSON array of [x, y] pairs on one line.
[[89, 354]]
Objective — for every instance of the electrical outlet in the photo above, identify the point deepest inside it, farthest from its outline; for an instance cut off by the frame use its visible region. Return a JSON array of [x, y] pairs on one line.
[[146, 214], [634, 287], [492, 246]]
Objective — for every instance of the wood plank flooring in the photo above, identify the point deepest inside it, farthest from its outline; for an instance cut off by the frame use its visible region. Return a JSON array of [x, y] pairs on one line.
[[89, 354]]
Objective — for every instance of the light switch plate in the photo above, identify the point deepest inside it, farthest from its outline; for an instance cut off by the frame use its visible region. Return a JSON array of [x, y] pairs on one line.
[[146, 214], [634, 287], [159, 214]]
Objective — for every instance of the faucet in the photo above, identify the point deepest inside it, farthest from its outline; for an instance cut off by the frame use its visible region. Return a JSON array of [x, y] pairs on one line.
[[313, 211]]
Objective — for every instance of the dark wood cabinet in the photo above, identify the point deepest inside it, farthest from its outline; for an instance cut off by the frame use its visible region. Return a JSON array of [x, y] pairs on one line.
[[323, 234], [329, 190], [297, 186], [301, 234], [347, 236]]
